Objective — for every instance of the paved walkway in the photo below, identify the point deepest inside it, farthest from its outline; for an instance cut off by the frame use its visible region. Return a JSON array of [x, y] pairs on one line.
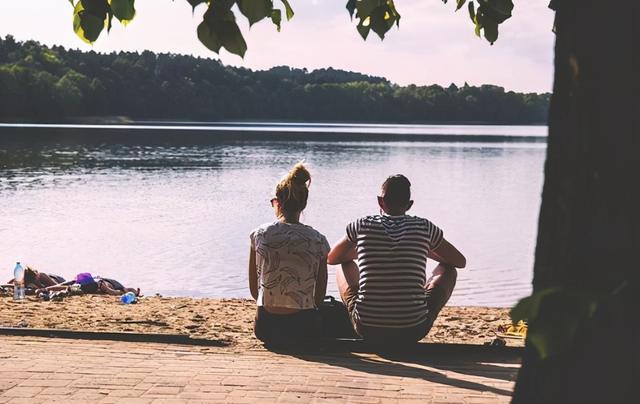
[[34, 369]]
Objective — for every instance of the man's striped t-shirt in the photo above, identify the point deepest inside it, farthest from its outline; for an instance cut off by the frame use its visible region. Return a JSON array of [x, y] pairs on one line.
[[392, 257]]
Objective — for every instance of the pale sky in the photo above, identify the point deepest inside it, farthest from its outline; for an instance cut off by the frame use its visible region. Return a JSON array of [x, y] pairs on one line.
[[434, 44]]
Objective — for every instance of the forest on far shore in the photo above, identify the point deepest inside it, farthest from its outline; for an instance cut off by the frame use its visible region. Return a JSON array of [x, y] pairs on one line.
[[54, 84]]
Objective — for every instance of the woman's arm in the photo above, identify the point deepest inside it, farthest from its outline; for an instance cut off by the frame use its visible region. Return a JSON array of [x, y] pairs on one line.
[[54, 288], [253, 274], [343, 252], [446, 253], [321, 283]]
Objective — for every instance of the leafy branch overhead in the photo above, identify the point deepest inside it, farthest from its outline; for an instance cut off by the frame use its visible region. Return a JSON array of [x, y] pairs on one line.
[[219, 28], [376, 15], [487, 15]]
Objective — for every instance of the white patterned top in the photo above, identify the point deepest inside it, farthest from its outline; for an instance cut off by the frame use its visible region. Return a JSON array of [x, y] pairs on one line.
[[288, 257]]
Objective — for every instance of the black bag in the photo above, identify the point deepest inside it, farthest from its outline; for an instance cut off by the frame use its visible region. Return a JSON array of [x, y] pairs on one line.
[[335, 321]]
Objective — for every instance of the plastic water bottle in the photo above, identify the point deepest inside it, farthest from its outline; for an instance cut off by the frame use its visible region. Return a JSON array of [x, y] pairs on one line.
[[128, 298], [18, 282]]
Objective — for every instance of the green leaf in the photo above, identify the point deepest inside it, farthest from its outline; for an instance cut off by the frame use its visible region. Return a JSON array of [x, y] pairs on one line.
[[363, 29], [208, 37], [366, 7], [376, 15], [123, 10], [527, 309], [460, 3], [97, 8], [288, 9], [109, 20], [478, 21], [195, 3], [555, 317], [89, 19], [351, 6], [232, 39], [276, 17], [472, 11], [490, 30], [219, 29], [255, 10], [498, 10], [381, 21]]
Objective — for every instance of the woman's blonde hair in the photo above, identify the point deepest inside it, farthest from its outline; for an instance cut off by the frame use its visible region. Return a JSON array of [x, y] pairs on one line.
[[293, 190]]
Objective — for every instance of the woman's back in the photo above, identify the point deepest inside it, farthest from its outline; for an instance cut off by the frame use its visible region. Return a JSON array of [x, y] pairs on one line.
[[288, 257], [288, 266]]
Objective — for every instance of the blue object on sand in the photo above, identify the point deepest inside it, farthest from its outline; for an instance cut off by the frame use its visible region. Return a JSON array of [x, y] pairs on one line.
[[128, 298]]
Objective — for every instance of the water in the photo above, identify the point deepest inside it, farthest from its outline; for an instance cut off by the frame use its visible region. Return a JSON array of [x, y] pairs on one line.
[[174, 217]]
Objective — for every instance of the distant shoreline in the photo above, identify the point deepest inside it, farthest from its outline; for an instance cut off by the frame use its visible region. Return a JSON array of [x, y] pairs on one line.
[[126, 120], [199, 132]]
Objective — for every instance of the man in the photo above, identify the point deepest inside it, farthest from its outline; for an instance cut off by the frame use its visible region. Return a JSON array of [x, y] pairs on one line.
[[386, 293]]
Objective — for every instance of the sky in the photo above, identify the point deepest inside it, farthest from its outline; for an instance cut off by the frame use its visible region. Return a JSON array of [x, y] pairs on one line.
[[434, 44]]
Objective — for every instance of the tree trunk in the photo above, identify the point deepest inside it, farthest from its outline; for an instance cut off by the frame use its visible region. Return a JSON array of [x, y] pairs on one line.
[[589, 226]]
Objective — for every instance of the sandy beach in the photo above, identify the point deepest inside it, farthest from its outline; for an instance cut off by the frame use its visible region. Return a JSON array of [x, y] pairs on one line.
[[228, 320]]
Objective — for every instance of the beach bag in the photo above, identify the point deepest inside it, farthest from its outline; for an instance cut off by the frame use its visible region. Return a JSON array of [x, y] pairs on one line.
[[334, 319]]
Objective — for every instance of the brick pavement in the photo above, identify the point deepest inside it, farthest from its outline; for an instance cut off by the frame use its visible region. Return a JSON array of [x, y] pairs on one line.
[[34, 370]]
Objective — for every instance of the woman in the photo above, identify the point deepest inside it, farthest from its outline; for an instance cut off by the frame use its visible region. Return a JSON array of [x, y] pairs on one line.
[[288, 266], [88, 284], [33, 280]]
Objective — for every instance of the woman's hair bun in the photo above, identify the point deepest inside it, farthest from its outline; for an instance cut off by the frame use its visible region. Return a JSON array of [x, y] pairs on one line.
[[293, 190], [299, 174]]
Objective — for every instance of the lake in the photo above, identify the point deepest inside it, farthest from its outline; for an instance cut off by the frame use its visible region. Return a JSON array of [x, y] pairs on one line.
[[168, 207]]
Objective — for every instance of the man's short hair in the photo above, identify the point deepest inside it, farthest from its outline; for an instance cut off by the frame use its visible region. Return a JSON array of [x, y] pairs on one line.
[[396, 190]]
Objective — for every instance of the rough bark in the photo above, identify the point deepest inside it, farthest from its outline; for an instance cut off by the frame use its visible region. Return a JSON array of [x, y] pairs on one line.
[[589, 225]]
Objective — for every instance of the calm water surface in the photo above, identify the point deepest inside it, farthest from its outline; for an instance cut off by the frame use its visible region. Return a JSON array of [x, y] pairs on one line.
[[175, 219]]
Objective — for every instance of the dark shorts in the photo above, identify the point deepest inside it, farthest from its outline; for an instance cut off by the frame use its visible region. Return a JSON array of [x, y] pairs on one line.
[[89, 287], [436, 299], [283, 329], [114, 284], [57, 278]]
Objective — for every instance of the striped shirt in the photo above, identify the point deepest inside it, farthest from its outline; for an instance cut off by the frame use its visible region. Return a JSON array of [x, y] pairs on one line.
[[392, 257]]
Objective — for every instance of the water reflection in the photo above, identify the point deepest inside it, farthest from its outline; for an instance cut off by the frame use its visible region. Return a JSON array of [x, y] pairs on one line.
[[175, 218]]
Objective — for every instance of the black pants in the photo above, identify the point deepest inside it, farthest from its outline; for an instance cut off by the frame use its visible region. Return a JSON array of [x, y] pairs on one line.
[[286, 329]]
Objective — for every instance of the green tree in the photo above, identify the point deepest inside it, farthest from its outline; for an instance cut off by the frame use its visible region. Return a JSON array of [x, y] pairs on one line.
[[168, 86]]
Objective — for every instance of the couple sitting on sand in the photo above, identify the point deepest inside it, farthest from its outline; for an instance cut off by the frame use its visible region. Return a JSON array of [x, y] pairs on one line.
[[382, 280]]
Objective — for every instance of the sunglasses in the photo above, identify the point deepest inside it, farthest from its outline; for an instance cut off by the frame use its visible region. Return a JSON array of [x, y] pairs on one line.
[[273, 202]]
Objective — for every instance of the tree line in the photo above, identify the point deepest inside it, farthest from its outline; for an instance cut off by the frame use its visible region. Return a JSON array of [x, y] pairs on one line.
[[41, 83]]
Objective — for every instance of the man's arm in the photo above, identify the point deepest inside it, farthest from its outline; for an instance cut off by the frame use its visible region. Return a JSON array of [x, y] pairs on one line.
[[253, 274], [448, 254], [343, 251]]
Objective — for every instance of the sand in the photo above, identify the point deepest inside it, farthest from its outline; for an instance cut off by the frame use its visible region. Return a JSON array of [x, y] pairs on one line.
[[229, 320]]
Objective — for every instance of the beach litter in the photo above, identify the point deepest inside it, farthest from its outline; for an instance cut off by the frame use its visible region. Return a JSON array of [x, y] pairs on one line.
[[517, 331]]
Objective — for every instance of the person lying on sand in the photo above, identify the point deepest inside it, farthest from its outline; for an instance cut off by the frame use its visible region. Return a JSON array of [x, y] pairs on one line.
[[89, 284], [288, 267], [386, 292], [34, 280]]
